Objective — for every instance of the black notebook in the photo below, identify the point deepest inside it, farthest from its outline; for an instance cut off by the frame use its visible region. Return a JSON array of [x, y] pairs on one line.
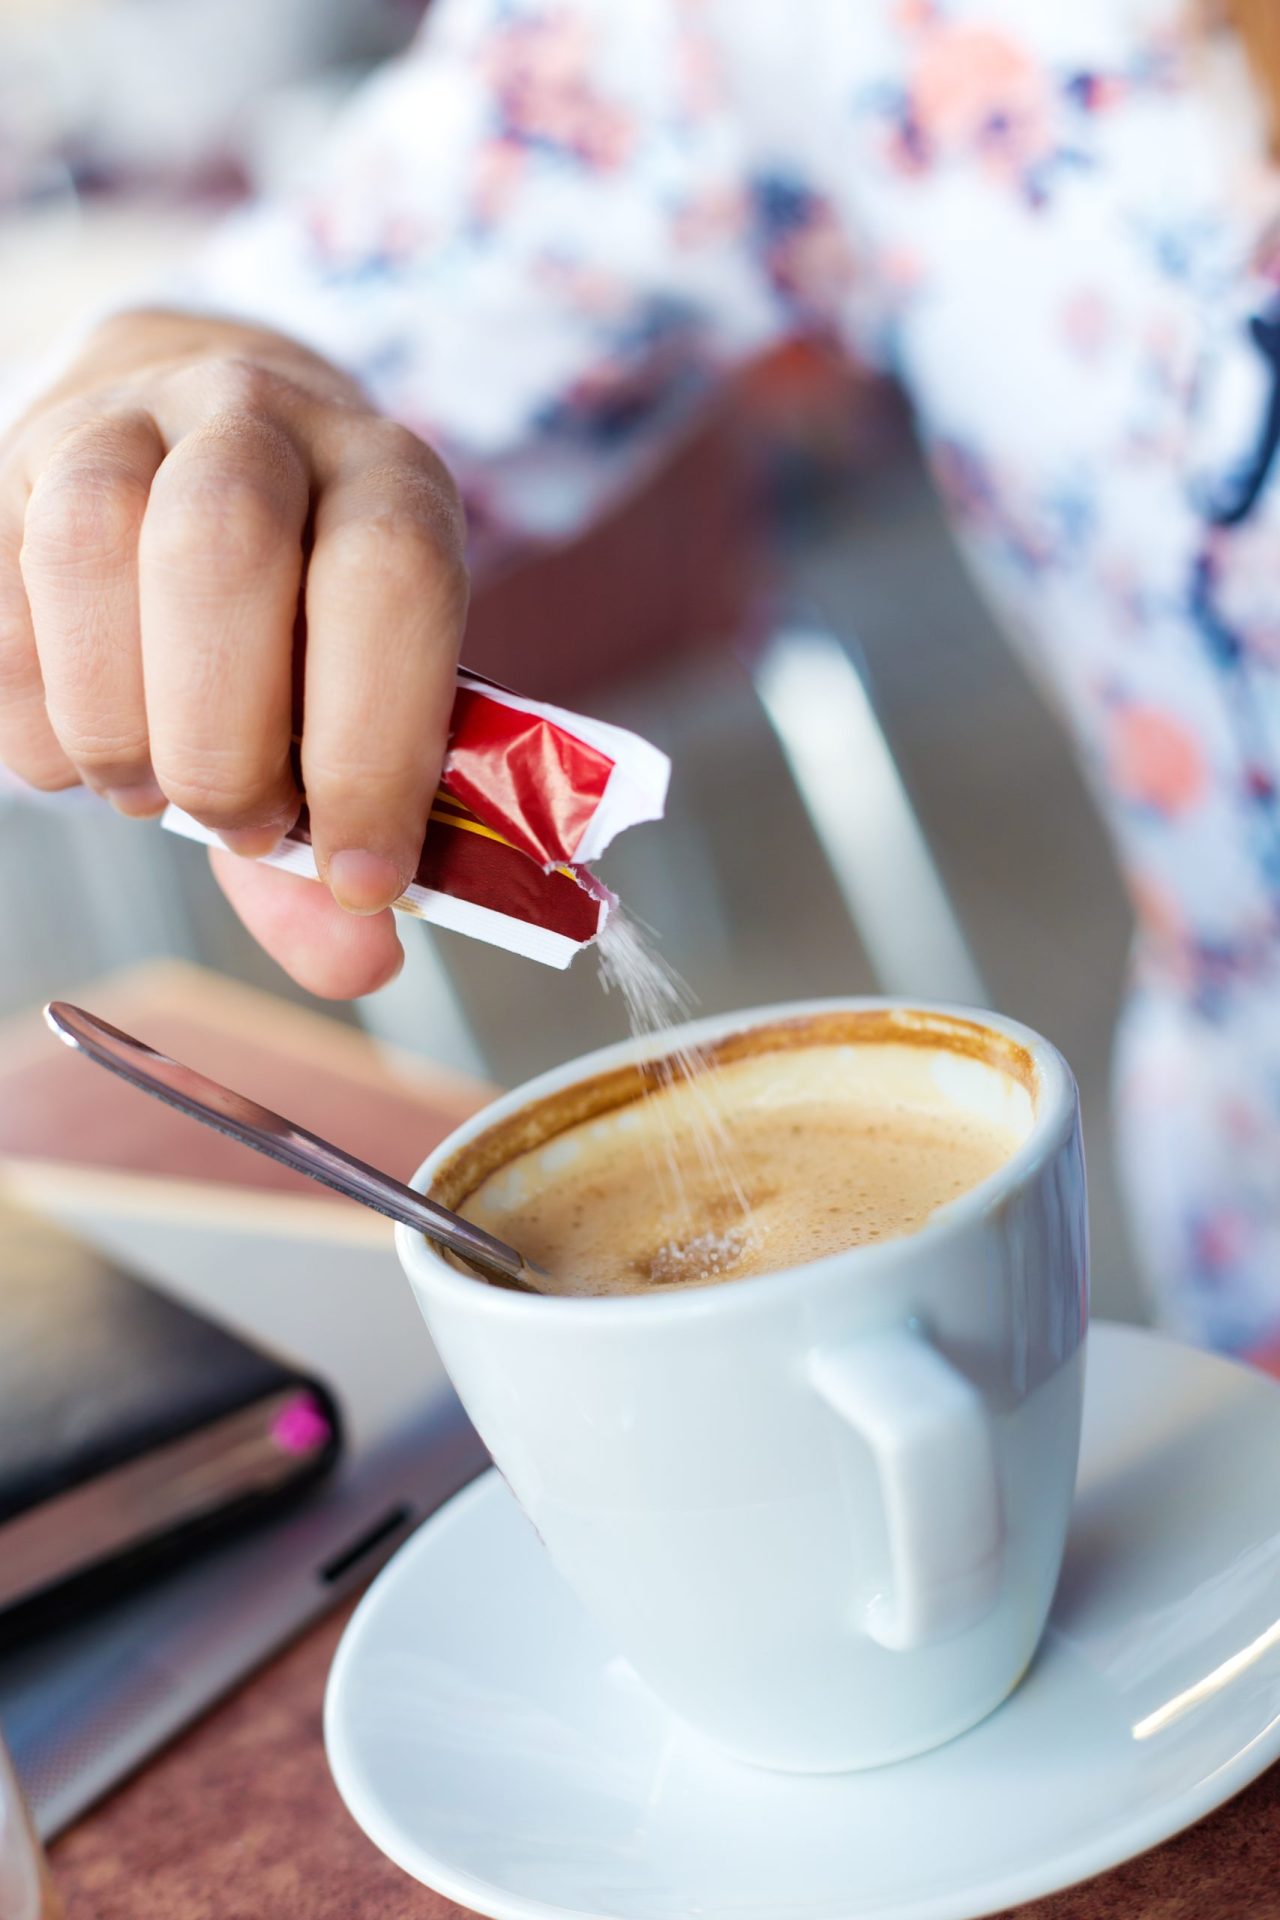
[[132, 1429]]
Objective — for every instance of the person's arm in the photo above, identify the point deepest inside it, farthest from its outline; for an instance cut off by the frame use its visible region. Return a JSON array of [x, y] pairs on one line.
[[528, 245]]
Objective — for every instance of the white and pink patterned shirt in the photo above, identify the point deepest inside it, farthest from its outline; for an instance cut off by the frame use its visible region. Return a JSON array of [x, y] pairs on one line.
[[549, 229]]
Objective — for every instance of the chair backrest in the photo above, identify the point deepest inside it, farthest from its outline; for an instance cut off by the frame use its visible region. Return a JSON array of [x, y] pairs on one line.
[[677, 567], [684, 563]]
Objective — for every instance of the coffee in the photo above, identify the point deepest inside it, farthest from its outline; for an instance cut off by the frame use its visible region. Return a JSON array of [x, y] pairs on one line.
[[830, 1146]]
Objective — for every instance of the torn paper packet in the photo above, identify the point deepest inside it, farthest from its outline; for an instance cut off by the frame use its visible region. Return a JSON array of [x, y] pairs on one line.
[[530, 794]]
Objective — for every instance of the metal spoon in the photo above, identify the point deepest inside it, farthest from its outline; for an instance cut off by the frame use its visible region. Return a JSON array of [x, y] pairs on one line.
[[279, 1139]]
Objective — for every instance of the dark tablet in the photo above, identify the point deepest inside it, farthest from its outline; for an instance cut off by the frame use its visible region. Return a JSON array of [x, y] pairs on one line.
[[131, 1427]]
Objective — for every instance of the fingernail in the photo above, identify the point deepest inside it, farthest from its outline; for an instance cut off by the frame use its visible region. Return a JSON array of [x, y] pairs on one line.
[[142, 802], [363, 882], [252, 843]]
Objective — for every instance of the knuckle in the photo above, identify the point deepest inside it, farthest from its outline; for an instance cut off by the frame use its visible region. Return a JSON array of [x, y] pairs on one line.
[[238, 384], [402, 552], [84, 511], [401, 446], [29, 441], [42, 766], [51, 776], [347, 781], [222, 789], [420, 473], [216, 516], [100, 751], [390, 541], [351, 782]]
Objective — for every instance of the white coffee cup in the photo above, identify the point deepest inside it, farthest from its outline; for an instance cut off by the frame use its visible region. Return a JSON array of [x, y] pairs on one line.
[[822, 1511]]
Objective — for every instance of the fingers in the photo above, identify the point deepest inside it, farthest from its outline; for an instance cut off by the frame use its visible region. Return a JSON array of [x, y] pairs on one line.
[[385, 604], [80, 570], [220, 563], [28, 743], [153, 538], [325, 950]]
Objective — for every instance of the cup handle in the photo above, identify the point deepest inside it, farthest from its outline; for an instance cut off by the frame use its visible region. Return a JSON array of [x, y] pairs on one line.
[[929, 1434]]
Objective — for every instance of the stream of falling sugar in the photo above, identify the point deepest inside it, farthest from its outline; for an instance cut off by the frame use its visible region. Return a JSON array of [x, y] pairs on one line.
[[710, 1233]]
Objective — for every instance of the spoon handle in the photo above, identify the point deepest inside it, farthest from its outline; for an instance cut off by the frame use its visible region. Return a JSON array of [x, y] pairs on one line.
[[279, 1139]]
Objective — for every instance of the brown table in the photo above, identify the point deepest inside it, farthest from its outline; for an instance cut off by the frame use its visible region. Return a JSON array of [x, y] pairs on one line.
[[238, 1820]]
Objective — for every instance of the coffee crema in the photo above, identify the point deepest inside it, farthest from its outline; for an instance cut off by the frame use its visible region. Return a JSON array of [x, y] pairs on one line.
[[832, 1144]]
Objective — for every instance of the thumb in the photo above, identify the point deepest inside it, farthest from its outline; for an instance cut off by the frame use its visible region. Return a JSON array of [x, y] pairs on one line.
[[331, 953]]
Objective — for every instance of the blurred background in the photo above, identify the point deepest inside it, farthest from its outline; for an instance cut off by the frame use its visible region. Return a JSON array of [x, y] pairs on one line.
[[796, 536]]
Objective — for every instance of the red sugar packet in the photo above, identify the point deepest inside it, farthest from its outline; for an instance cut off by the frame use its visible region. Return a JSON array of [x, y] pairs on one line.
[[529, 793]]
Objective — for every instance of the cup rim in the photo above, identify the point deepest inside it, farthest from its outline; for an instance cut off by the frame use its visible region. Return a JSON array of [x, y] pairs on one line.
[[1052, 1124]]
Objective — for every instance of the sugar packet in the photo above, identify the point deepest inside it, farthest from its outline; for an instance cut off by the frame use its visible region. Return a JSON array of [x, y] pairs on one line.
[[529, 795]]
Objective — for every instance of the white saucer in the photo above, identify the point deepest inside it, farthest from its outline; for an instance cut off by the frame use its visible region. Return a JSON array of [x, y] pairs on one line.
[[486, 1738]]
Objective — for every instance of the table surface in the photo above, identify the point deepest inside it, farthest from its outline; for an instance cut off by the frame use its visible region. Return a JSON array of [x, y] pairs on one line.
[[238, 1820]]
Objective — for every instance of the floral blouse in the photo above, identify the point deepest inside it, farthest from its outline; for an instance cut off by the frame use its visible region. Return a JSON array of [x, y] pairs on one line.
[[543, 234]]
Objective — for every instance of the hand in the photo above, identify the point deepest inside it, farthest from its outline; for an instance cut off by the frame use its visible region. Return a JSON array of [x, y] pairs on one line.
[[204, 527]]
